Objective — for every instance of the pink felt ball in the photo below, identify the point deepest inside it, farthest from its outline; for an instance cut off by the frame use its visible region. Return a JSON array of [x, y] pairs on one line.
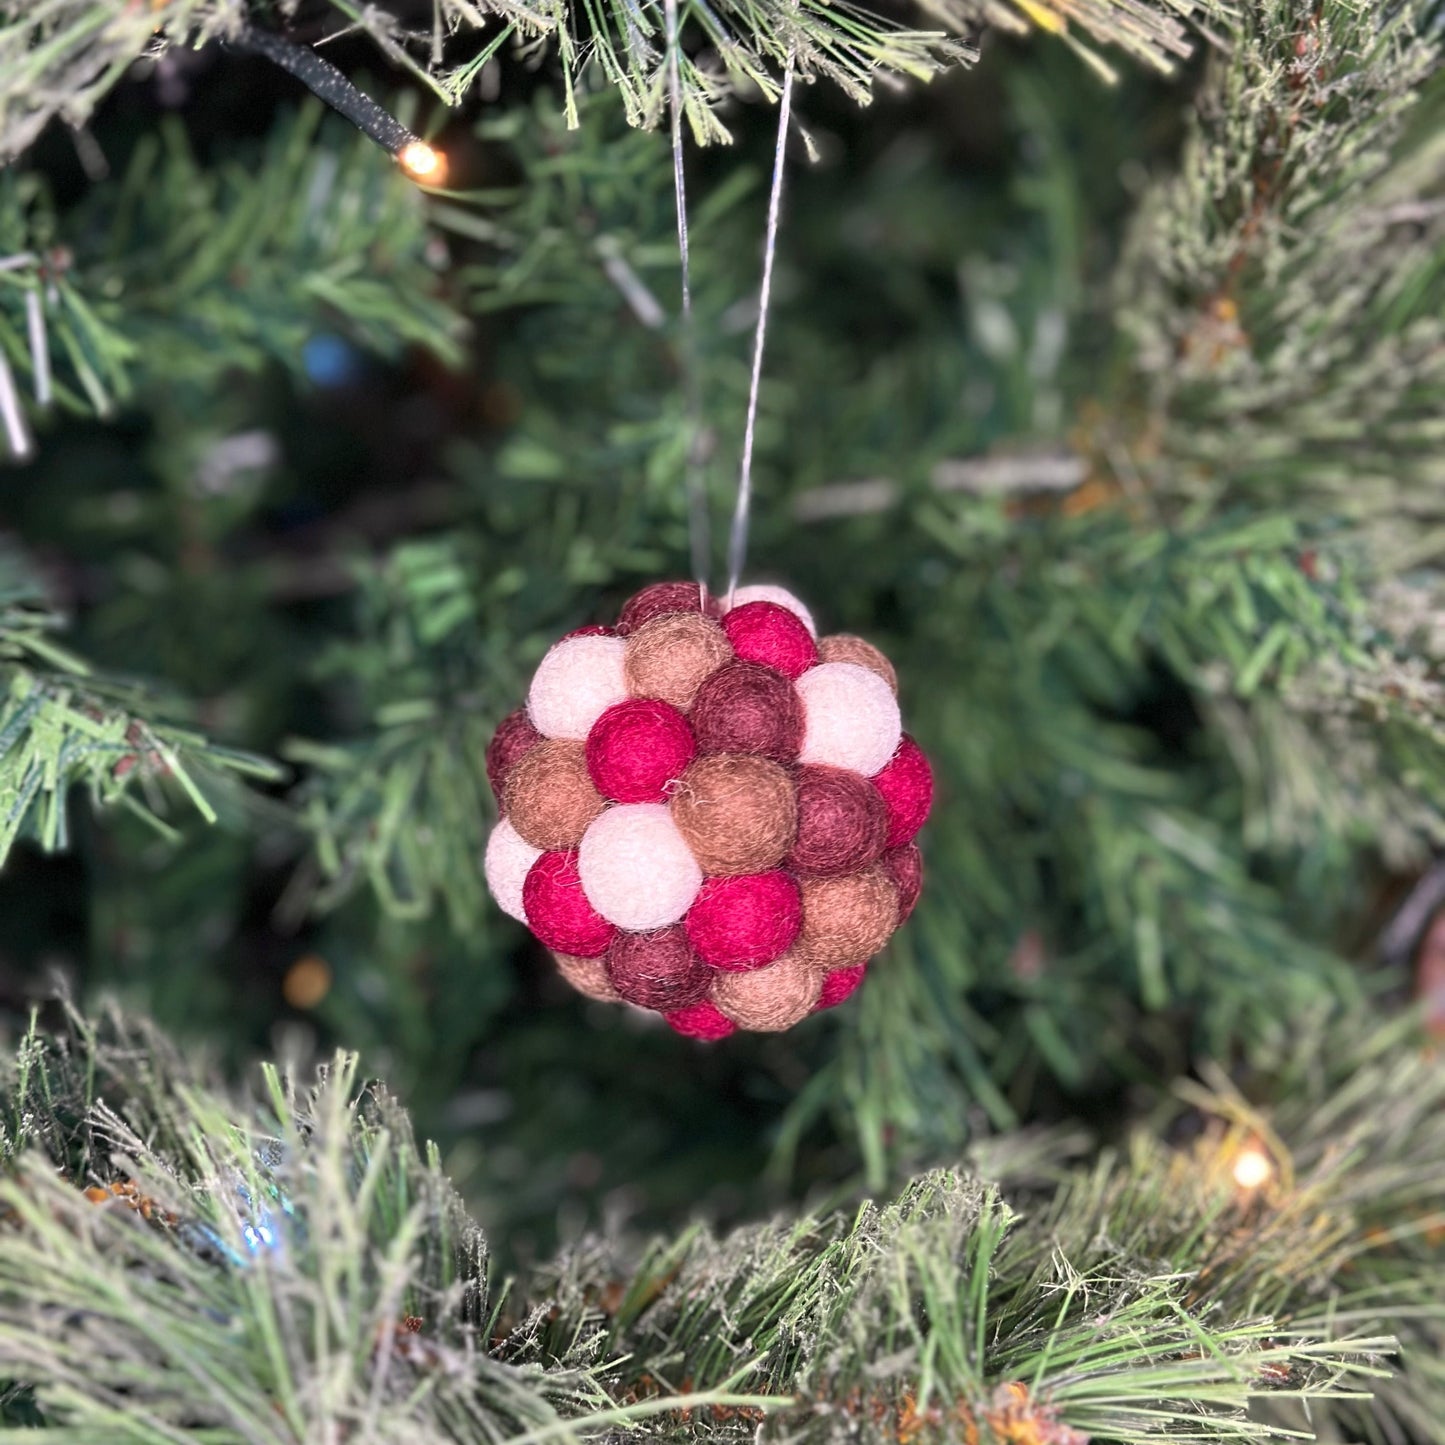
[[906, 782], [508, 860], [905, 867], [765, 633], [575, 683], [850, 718], [558, 911], [660, 598], [701, 1021], [637, 870], [637, 748], [763, 592], [514, 736], [839, 984], [745, 921], [657, 970]]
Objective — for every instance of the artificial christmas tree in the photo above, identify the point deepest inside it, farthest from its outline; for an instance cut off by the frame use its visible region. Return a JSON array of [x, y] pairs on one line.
[[1101, 393]]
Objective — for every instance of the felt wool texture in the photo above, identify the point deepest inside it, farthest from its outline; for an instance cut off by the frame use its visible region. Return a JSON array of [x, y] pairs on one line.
[[637, 749], [508, 860], [738, 813], [671, 656], [657, 970], [770, 999], [844, 647], [745, 922], [850, 718], [846, 920], [746, 708], [780, 596], [842, 821], [590, 629], [660, 598], [588, 976], [701, 1021], [768, 634], [906, 784], [636, 869], [558, 911], [905, 867], [514, 736], [575, 683], [549, 797], [839, 984]]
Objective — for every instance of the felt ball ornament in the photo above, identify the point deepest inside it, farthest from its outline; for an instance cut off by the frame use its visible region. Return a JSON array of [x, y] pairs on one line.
[[708, 811]]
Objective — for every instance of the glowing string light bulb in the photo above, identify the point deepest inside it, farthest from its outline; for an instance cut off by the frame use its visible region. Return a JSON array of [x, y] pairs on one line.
[[422, 163], [1253, 1168]]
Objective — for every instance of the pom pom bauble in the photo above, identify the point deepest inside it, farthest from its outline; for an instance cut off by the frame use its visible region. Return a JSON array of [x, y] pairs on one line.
[[842, 821], [549, 798], [637, 748], [558, 911], [745, 922], [850, 718], [709, 813], [575, 683], [673, 655], [906, 783], [770, 999], [747, 708], [766, 633], [509, 859], [514, 736], [636, 869], [657, 970], [737, 813]]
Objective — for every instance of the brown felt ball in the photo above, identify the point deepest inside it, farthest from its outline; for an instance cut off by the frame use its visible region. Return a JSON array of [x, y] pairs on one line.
[[657, 970], [846, 920], [736, 812], [588, 976], [770, 999], [548, 796], [747, 708], [844, 647], [514, 736], [842, 821], [671, 656]]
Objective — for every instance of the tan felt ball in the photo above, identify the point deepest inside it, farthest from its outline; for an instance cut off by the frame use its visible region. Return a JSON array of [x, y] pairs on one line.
[[768, 1000], [737, 812], [844, 647], [671, 656], [588, 976], [846, 920], [548, 796]]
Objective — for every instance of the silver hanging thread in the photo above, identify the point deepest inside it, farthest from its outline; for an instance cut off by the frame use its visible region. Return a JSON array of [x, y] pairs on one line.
[[738, 537], [698, 525]]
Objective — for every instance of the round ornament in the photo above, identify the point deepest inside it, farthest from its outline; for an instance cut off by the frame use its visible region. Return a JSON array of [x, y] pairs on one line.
[[709, 810]]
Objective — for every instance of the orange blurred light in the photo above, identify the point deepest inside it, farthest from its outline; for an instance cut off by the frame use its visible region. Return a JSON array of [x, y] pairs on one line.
[[422, 163], [1253, 1168], [306, 982]]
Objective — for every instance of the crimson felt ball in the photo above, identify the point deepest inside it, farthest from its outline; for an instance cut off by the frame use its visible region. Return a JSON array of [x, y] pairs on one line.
[[701, 1021], [637, 749], [745, 921], [906, 783], [766, 633], [558, 911]]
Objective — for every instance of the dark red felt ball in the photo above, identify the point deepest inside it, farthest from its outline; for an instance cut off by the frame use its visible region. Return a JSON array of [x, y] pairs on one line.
[[771, 635], [589, 629], [747, 708], [842, 821], [657, 970], [906, 782], [558, 911], [662, 597], [515, 735], [839, 984], [638, 747], [905, 867], [701, 1021], [745, 921]]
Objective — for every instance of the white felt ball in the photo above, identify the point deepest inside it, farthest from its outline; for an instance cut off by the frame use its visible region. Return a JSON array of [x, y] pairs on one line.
[[636, 870], [778, 595], [850, 717], [575, 683], [509, 857]]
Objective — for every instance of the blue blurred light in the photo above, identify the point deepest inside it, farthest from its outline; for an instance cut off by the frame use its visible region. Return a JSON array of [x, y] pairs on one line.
[[330, 360]]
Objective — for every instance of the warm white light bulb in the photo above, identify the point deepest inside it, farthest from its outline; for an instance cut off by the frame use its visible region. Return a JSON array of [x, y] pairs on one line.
[[1252, 1168], [422, 163]]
